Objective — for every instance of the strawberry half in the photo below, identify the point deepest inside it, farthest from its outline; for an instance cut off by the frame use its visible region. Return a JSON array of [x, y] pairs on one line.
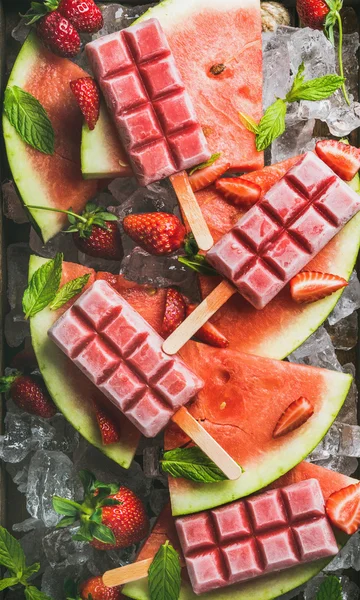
[[310, 286], [175, 312], [295, 415], [87, 96], [342, 158], [343, 508], [208, 333], [158, 233], [239, 191], [206, 176], [109, 428]]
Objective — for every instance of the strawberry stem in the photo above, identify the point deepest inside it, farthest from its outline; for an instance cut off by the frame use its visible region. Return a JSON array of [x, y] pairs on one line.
[[340, 58], [58, 210]]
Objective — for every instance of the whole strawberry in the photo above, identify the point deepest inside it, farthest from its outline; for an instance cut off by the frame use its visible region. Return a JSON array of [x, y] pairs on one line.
[[29, 393], [158, 233], [111, 517], [83, 14], [87, 96], [312, 13], [91, 589], [58, 35]]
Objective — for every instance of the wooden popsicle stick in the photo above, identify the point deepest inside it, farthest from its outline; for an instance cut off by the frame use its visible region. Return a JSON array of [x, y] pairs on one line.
[[127, 574], [202, 313], [206, 442], [191, 209]]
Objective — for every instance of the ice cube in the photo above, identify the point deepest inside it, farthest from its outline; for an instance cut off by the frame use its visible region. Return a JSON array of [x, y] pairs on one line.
[[159, 497], [348, 413], [157, 271], [28, 525], [53, 579], [122, 187], [349, 301], [62, 242], [344, 334], [318, 351], [342, 464], [12, 205], [61, 550], [297, 139], [16, 443], [348, 557]]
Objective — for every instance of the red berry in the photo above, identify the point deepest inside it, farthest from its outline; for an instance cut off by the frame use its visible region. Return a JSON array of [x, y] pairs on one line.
[[342, 158], [101, 243], [83, 14], [95, 589], [109, 428], [310, 286], [208, 333], [175, 312], [239, 191], [158, 233], [343, 508], [58, 34], [202, 178], [87, 96], [30, 394], [295, 415], [312, 13]]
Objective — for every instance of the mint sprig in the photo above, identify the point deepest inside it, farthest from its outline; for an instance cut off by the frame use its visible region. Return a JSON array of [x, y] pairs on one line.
[[193, 260], [165, 574], [193, 464], [332, 19], [330, 589], [207, 163], [272, 124], [12, 557], [30, 119], [68, 291]]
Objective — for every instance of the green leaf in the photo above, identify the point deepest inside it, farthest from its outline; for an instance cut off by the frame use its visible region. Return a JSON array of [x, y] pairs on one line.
[[70, 589], [88, 480], [11, 553], [32, 593], [102, 533], [110, 502], [97, 516], [65, 522], [315, 89], [43, 286], [191, 463], [8, 582], [106, 216], [272, 125], [207, 163], [165, 574], [190, 245], [30, 119], [66, 507], [31, 571], [249, 123], [69, 290], [330, 589], [199, 264]]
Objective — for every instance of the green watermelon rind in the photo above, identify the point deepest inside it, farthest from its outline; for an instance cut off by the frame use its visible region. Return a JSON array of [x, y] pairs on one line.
[[53, 366], [265, 588]]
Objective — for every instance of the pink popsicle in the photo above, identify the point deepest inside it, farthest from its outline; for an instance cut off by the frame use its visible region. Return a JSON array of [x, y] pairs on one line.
[[151, 109], [280, 235], [262, 534], [121, 354]]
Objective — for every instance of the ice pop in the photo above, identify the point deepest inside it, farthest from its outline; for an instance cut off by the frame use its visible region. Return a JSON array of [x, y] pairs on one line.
[[153, 113], [121, 354], [275, 239]]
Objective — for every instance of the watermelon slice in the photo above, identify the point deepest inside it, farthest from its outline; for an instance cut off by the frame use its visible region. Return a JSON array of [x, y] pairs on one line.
[[51, 180], [283, 325], [71, 391], [240, 405], [192, 28], [262, 589]]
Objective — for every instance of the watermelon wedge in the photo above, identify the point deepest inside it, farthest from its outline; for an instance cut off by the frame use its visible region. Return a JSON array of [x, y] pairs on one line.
[[262, 589], [283, 325], [192, 28], [53, 180], [240, 405]]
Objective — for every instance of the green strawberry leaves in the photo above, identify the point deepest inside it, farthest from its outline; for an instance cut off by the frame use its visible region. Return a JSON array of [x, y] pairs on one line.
[[207, 163], [29, 119], [193, 260], [12, 557], [165, 574], [44, 288], [191, 463], [272, 124], [330, 589], [39, 9]]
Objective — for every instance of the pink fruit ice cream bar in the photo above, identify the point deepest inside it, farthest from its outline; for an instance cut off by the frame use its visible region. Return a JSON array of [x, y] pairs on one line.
[[281, 234], [121, 354], [151, 109], [269, 532]]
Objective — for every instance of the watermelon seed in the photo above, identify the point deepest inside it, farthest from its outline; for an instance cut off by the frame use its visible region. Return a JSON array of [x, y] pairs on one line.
[[217, 69]]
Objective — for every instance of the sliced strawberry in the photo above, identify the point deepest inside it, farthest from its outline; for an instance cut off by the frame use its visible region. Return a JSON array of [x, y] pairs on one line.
[[239, 191], [109, 429], [343, 508], [310, 286], [208, 333], [296, 414], [342, 158], [175, 312], [204, 177]]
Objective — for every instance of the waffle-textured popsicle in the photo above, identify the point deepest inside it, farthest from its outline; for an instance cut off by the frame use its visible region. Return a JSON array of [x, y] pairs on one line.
[[153, 113], [259, 535], [275, 239], [121, 354]]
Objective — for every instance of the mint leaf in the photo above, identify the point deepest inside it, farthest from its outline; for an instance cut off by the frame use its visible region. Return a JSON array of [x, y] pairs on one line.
[[198, 263], [68, 291], [207, 163], [330, 589], [31, 570], [314, 89], [249, 123], [32, 593], [8, 582], [30, 119], [43, 287], [190, 245], [165, 574], [11, 553], [272, 125], [191, 463], [66, 507]]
